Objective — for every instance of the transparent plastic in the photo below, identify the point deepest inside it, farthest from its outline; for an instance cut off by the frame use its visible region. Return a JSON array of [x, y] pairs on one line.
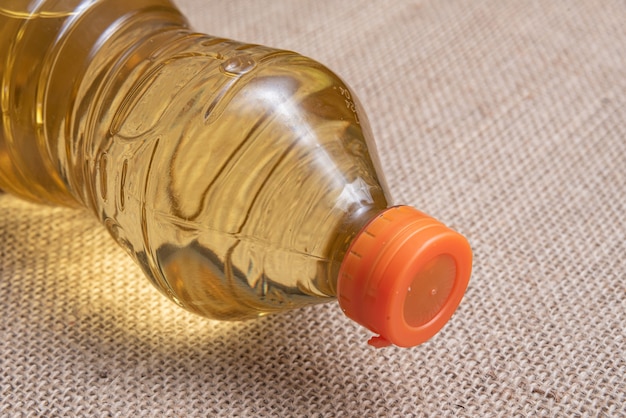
[[236, 175]]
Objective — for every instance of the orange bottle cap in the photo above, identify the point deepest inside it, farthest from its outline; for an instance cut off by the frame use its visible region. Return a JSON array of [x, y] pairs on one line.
[[403, 276]]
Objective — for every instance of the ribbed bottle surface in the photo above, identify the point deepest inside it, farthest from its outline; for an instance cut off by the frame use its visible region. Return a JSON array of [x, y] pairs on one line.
[[235, 174]]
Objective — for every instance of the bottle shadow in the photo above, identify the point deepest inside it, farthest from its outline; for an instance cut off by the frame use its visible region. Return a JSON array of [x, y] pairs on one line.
[[76, 307]]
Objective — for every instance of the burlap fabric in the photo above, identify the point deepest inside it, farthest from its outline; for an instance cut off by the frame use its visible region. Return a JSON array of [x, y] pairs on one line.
[[505, 119]]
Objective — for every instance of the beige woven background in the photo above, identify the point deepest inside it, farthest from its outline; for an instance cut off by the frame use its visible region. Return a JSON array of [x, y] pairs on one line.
[[505, 119]]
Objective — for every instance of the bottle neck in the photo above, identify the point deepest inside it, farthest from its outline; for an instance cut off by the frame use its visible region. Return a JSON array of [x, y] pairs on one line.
[[352, 225]]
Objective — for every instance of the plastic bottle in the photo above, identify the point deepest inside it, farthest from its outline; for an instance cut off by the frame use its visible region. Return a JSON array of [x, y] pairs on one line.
[[242, 179]]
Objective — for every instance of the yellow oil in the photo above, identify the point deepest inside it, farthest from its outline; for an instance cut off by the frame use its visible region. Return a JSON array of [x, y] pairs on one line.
[[235, 174]]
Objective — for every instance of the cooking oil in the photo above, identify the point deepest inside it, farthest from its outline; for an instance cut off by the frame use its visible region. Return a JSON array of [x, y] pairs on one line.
[[236, 175]]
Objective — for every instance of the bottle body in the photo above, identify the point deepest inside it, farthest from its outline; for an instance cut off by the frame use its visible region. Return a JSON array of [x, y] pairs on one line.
[[236, 175]]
